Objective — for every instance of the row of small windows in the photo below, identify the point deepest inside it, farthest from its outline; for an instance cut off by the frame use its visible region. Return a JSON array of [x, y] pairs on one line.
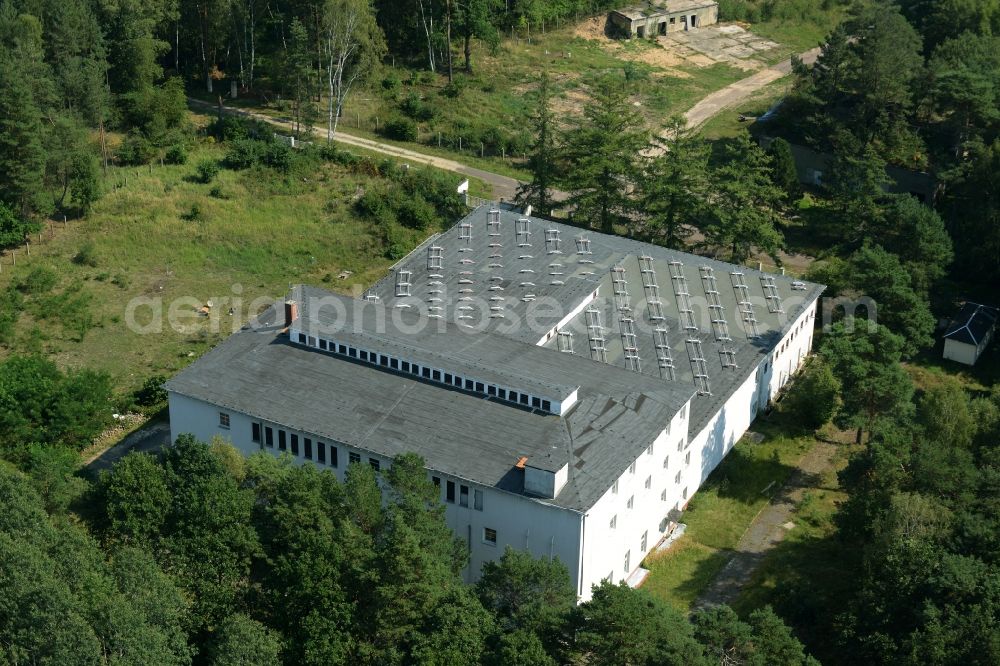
[[447, 378], [463, 494], [310, 450]]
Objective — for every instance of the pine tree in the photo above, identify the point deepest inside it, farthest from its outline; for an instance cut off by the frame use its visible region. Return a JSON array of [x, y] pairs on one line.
[[22, 153], [675, 186], [603, 156], [542, 155]]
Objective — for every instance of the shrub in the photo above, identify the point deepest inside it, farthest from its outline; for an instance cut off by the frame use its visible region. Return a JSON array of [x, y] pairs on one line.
[[813, 398], [207, 171], [194, 214], [390, 82], [152, 392], [13, 227], [176, 154], [453, 89], [86, 255], [135, 149], [416, 212], [400, 129], [38, 281], [416, 108], [243, 153]]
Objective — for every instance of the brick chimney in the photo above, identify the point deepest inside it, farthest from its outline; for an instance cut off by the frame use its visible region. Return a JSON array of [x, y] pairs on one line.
[[291, 312]]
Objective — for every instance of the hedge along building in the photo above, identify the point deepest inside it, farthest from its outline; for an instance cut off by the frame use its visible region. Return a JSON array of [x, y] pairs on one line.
[[660, 18], [568, 390]]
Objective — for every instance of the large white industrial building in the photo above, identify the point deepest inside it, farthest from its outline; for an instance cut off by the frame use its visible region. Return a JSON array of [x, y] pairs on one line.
[[568, 390]]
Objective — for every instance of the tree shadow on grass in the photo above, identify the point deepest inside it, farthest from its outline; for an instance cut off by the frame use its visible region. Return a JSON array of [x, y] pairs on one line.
[[746, 477]]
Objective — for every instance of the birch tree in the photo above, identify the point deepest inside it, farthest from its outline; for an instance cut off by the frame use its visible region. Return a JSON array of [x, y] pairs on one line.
[[353, 45]]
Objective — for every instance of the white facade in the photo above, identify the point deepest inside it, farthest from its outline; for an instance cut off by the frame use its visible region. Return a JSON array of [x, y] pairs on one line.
[[961, 352], [613, 536]]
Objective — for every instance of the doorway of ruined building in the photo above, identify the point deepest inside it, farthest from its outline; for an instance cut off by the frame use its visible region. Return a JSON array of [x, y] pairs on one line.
[[640, 32], [662, 27]]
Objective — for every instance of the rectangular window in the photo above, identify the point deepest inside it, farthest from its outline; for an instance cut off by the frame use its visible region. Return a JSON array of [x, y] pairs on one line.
[[680, 446], [457, 381], [302, 338], [666, 462], [643, 542], [512, 396], [536, 403], [364, 355], [223, 420], [269, 436], [687, 458], [449, 492], [307, 448], [426, 372], [295, 444], [524, 398], [415, 369], [649, 482], [376, 465], [677, 479], [437, 482], [631, 502], [341, 349], [663, 495], [491, 390], [436, 375], [463, 496], [353, 457], [323, 344], [321, 453], [631, 468], [311, 341], [383, 361], [480, 387], [649, 450], [447, 378], [547, 405], [352, 352], [627, 554], [684, 411], [614, 488], [490, 536], [469, 384], [614, 522], [502, 393], [282, 442], [477, 500], [394, 363], [333, 456], [685, 493], [255, 432], [406, 366]]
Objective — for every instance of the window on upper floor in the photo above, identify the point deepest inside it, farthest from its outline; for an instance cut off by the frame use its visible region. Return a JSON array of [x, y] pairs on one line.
[[649, 482], [631, 468], [666, 462], [649, 450], [353, 457], [643, 542], [631, 502], [614, 522], [295, 444], [375, 464], [463, 495], [269, 436], [477, 500], [255, 432], [614, 488], [663, 495], [282, 442], [449, 494], [307, 448], [321, 453], [628, 555], [223, 420]]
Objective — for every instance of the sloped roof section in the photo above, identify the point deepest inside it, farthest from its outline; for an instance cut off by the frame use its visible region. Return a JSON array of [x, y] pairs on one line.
[[972, 324]]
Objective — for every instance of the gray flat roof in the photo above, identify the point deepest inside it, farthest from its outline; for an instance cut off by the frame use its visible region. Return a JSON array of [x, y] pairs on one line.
[[434, 308], [638, 12], [259, 372]]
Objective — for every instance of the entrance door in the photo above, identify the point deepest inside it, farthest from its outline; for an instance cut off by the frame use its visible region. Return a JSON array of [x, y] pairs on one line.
[[640, 31], [694, 20], [663, 27]]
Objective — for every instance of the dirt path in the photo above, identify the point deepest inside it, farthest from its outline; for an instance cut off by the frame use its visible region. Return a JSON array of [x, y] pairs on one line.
[[768, 528], [740, 91], [149, 438], [503, 186]]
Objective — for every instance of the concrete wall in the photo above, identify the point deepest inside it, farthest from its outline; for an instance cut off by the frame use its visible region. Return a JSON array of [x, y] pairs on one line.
[[960, 352], [665, 23], [605, 546]]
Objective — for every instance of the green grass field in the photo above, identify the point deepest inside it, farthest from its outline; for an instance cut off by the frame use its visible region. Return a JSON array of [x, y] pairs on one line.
[[156, 234], [722, 510]]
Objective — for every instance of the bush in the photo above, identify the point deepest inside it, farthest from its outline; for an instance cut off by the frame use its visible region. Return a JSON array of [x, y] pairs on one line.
[[416, 212], [135, 149], [13, 227], [152, 392], [813, 398], [416, 108], [400, 129], [232, 128], [207, 171], [194, 214], [176, 154], [38, 281], [86, 255], [390, 82], [243, 153]]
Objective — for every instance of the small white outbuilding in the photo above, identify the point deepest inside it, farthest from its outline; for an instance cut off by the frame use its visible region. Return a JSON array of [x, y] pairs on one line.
[[969, 332]]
